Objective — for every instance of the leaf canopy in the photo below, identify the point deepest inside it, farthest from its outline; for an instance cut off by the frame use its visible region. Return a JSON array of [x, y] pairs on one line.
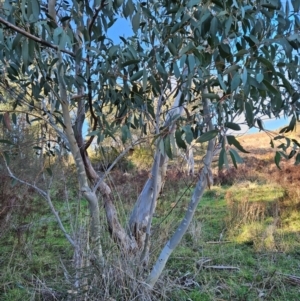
[[246, 51]]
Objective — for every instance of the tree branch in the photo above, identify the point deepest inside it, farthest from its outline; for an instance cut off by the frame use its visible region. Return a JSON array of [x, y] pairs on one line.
[[114, 163], [101, 6], [94, 117], [145, 252], [36, 39], [47, 197], [89, 81]]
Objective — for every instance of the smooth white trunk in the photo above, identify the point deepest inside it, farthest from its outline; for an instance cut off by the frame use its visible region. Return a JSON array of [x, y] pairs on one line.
[[180, 231], [205, 179]]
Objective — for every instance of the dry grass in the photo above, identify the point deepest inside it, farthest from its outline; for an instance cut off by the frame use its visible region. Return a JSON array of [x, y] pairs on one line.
[[260, 142]]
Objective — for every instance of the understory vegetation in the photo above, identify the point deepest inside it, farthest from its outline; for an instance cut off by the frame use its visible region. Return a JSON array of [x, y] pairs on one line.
[[243, 243]]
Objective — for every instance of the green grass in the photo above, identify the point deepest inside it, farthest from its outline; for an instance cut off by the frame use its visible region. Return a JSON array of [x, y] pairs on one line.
[[249, 227], [262, 258], [30, 256], [254, 192]]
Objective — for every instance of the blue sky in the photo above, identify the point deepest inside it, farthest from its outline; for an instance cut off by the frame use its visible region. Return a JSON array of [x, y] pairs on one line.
[[122, 27], [272, 124]]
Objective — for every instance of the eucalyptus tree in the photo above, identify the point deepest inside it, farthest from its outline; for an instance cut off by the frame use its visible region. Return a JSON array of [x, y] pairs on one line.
[[62, 60]]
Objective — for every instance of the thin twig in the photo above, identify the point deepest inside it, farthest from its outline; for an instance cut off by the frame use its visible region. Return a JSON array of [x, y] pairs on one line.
[[219, 242], [220, 267], [47, 197]]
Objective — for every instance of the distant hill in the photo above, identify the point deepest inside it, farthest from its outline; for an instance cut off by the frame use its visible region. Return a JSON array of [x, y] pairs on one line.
[[261, 141]]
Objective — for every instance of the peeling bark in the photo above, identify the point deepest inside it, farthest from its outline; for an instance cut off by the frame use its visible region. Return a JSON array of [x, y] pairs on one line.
[[119, 234], [190, 163], [142, 213]]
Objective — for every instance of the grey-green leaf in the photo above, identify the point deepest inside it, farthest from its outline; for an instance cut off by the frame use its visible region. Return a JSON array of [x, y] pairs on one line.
[[235, 157], [176, 70], [244, 76], [260, 124], [232, 141], [130, 62], [228, 25], [242, 52], [179, 141], [230, 69], [35, 10], [14, 118], [167, 144], [223, 159], [207, 136], [223, 86], [124, 131], [136, 22], [7, 157], [249, 114], [188, 134], [136, 75], [145, 79], [172, 48], [235, 81], [214, 26], [233, 126], [6, 141], [277, 159], [211, 96], [25, 52], [49, 171]]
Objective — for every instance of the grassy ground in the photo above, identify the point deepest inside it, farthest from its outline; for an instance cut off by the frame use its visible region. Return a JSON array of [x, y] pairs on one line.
[[237, 251], [243, 243]]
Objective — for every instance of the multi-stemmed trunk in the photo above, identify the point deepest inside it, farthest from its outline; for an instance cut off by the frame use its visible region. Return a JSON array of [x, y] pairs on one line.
[[141, 216], [138, 236], [127, 244]]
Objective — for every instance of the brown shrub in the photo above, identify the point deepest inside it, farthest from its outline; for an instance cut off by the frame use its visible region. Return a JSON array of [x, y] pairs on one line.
[[233, 175], [15, 201]]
